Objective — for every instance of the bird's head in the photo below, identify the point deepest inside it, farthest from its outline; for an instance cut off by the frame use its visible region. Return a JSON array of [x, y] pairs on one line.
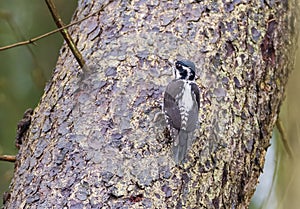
[[185, 69]]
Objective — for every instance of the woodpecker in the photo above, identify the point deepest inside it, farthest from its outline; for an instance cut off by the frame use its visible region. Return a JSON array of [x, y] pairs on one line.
[[181, 105]]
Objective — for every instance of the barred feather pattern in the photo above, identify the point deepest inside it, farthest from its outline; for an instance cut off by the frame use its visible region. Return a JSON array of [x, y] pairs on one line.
[[185, 103], [181, 103]]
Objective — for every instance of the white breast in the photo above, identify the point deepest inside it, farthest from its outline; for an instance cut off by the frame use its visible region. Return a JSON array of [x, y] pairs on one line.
[[186, 102]]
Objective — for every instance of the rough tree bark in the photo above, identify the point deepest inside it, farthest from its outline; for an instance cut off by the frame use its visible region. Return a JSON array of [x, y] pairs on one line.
[[93, 141]]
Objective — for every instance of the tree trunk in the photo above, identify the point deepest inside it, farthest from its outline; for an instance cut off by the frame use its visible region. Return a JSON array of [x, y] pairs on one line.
[[94, 140]]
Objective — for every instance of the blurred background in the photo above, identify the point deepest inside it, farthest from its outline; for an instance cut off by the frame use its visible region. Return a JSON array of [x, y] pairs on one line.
[[25, 70]]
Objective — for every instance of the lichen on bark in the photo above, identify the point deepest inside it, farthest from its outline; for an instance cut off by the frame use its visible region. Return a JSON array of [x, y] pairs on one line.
[[93, 141]]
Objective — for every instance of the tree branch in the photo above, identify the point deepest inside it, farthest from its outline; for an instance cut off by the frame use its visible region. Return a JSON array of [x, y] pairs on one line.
[[8, 158], [64, 32], [32, 40]]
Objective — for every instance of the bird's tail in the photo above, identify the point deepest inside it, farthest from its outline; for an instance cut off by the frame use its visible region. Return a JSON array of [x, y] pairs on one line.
[[180, 146]]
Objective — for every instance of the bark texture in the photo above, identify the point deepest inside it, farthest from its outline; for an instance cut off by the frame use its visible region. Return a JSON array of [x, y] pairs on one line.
[[93, 141]]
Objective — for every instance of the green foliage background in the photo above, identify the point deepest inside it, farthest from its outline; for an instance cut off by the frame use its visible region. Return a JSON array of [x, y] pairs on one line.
[[25, 70]]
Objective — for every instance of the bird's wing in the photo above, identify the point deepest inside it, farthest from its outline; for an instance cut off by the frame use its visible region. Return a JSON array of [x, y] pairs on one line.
[[196, 91], [171, 108]]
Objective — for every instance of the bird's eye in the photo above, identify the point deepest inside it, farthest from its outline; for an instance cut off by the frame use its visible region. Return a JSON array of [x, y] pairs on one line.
[[179, 67]]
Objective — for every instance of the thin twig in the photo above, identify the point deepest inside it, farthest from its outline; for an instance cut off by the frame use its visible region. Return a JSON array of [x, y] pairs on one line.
[[9, 158], [31, 41], [284, 139], [59, 23], [39, 69]]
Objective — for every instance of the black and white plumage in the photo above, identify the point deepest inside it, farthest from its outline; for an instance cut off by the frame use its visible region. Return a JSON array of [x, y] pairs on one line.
[[181, 106]]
